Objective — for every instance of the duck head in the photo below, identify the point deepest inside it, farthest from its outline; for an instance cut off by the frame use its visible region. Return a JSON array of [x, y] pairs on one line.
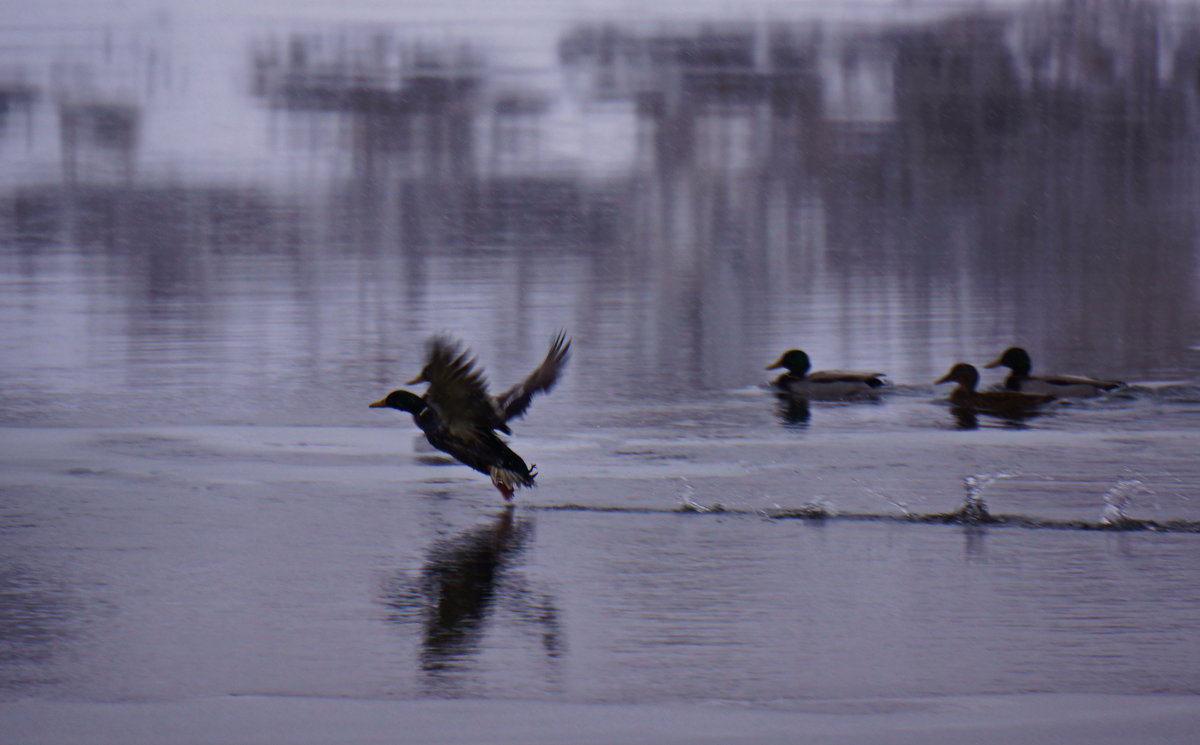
[[402, 400], [1015, 359], [794, 361], [963, 374]]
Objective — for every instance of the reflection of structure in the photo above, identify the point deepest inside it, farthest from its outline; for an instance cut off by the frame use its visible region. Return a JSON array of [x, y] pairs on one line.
[[955, 85], [689, 86], [83, 93], [36, 619], [461, 583], [97, 132], [1012, 169], [16, 97], [409, 103], [435, 142]]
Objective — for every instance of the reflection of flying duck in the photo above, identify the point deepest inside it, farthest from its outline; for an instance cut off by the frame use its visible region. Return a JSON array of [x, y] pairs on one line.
[[798, 381], [460, 585], [1017, 361], [463, 579], [1013, 404], [460, 418]]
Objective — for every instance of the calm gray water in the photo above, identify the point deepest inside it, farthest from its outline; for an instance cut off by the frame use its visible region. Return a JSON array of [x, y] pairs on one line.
[[223, 235]]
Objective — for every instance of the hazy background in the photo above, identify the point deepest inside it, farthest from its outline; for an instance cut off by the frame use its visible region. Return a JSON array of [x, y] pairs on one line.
[[297, 196]]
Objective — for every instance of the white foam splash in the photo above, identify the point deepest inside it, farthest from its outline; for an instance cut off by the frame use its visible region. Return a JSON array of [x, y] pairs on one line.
[[819, 507], [1118, 498], [976, 484], [902, 506], [688, 503]]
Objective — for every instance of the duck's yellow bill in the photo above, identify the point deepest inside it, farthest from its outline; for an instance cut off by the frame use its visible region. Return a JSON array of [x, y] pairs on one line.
[[380, 404]]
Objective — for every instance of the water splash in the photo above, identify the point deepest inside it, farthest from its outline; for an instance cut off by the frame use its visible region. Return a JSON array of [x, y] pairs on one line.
[[819, 508], [974, 507], [688, 503], [902, 506], [1119, 497]]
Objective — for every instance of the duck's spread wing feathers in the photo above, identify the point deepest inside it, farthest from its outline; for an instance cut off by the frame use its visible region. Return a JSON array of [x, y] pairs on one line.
[[514, 402], [458, 391]]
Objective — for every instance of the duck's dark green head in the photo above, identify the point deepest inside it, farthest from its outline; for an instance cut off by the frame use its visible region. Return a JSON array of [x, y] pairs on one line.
[[1015, 359], [794, 361], [402, 400]]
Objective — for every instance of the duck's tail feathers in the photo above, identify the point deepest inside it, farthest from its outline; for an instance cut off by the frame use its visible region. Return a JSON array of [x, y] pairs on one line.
[[508, 480]]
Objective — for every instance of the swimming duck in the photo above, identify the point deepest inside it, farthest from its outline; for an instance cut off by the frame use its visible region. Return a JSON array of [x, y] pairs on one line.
[[1011, 404], [798, 381], [460, 418], [1017, 361]]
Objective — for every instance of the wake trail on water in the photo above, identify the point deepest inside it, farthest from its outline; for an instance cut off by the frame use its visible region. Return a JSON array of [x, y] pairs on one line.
[[973, 511]]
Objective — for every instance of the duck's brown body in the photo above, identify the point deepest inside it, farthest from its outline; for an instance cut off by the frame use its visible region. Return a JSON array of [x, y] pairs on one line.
[[1012, 404]]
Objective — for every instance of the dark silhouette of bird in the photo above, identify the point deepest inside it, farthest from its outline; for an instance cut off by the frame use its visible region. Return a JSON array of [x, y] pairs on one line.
[[1019, 378], [1009, 404], [460, 418], [827, 384]]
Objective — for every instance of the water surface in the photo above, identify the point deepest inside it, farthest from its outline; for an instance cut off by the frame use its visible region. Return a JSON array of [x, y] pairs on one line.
[[217, 248]]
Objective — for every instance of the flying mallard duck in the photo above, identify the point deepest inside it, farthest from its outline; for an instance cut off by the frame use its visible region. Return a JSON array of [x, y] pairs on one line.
[[460, 418], [1017, 361], [1010, 404], [798, 381]]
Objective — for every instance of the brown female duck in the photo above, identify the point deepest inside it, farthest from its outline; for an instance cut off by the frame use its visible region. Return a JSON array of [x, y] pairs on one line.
[[1012, 404]]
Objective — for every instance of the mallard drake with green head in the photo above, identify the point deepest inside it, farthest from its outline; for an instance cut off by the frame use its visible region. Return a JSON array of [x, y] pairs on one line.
[[828, 384], [1019, 378], [1011, 404], [460, 418]]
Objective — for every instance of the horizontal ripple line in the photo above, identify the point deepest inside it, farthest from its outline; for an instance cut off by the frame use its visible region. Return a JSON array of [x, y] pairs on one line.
[[968, 516]]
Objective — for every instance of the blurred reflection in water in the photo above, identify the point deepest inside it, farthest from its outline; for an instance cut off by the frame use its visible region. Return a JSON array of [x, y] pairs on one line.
[[792, 410], [684, 197], [38, 616], [462, 583]]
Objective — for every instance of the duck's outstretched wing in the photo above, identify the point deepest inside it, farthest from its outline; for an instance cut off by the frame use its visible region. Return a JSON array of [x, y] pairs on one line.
[[513, 403], [458, 392]]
